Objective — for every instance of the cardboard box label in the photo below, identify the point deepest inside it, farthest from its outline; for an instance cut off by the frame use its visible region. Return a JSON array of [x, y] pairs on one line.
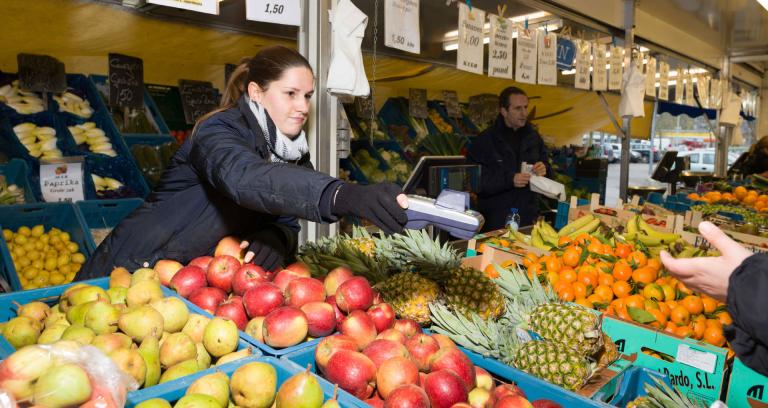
[[695, 358]]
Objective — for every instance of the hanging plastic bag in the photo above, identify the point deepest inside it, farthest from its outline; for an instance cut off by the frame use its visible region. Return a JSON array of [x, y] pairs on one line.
[[64, 373], [547, 187], [632, 94]]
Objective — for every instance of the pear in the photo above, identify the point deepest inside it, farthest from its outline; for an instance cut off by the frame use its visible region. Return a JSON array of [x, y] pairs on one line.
[[333, 402], [300, 391], [220, 337], [235, 355], [216, 385], [64, 303], [109, 342], [119, 278], [130, 361], [137, 323], [203, 358], [35, 310], [102, 317], [62, 386], [87, 294], [164, 337], [143, 293], [254, 385], [27, 363], [196, 401], [154, 403], [177, 348], [117, 294], [22, 331], [195, 326], [150, 352], [78, 333], [179, 370], [21, 390], [76, 313], [52, 334], [144, 274], [175, 313], [55, 318]]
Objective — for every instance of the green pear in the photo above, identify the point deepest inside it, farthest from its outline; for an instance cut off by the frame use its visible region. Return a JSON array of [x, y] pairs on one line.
[[21, 390], [64, 302], [144, 274], [109, 342], [195, 326], [255, 328], [22, 331], [203, 358], [179, 370], [196, 401], [177, 348], [235, 355], [55, 318], [102, 317], [76, 313], [333, 402], [300, 391], [138, 322], [216, 385], [143, 292], [130, 361], [150, 352], [154, 403], [62, 386], [220, 337], [164, 337], [119, 278], [254, 385], [87, 294], [117, 294], [175, 313], [78, 333], [27, 363], [35, 310], [52, 334]]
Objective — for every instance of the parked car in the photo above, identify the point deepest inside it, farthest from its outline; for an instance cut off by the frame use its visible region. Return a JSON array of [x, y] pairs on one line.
[[646, 150], [634, 156], [704, 159]]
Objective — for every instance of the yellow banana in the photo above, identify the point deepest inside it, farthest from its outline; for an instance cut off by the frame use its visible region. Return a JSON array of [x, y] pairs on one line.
[[632, 226], [575, 224], [537, 242], [586, 229], [664, 237]]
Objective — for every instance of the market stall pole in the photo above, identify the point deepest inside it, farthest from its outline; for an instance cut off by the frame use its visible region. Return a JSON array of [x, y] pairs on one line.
[[724, 131], [629, 40]]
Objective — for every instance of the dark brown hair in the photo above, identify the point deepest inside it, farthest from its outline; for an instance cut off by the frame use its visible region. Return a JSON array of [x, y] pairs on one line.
[[267, 66], [506, 93]]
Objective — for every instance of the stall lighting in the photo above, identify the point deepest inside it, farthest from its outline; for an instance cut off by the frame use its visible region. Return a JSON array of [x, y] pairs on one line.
[[763, 3]]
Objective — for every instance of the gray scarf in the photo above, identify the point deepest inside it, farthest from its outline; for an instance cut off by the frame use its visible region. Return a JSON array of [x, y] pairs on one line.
[[283, 149]]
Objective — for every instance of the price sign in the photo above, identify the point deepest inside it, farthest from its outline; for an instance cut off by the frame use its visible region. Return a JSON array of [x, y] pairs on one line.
[[500, 62], [547, 70], [470, 54], [663, 81], [615, 70], [286, 12], [583, 51], [679, 85], [650, 77], [401, 25], [126, 81], [689, 100], [417, 104], [525, 56], [62, 179], [41, 73], [202, 6], [599, 71], [452, 104], [197, 99]]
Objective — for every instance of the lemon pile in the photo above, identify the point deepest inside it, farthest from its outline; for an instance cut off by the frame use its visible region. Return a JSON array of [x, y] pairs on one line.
[[43, 258]]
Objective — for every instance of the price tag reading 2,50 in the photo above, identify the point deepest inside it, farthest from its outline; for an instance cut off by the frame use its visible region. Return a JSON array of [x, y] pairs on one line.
[[286, 12]]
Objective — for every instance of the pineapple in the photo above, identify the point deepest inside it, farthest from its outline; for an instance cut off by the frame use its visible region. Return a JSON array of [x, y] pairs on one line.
[[470, 290], [572, 325], [410, 294], [661, 396], [608, 353], [554, 362]]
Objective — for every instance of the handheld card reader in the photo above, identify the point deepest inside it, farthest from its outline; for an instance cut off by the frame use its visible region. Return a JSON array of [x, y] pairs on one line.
[[449, 212]]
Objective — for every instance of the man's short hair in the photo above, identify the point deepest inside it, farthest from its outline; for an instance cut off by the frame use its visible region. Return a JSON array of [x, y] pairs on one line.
[[506, 93]]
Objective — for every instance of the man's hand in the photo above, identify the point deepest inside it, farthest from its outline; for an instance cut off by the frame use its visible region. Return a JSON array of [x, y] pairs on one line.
[[521, 179], [539, 169]]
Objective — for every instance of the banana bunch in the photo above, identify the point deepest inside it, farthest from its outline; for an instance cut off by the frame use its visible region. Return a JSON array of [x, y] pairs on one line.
[[105, 183], [69, 102], [95, 138], [40, 142], [25, 103], [543, 236], [639, 230], [518, 236], [586, 224]]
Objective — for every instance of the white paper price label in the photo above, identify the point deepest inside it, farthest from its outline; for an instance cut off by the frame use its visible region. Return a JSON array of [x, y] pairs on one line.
[[650, 77], [470, 54], [615, 71], [525, 56], [599, 70], [500, 62], [583, 51], [679, 86], [401, 25], [663, 81], [689, 100], [286, 12], [62, 179], [203, 6], [702, 85], [695, 358], [547, 49]]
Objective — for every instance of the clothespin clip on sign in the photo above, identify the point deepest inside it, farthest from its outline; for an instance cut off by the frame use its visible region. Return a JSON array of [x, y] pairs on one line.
[[526, 24], [469, 4]]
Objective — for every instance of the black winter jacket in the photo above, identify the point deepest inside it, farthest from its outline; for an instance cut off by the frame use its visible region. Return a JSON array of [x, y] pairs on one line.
[[499, 163], [220, 182], [747, 303]]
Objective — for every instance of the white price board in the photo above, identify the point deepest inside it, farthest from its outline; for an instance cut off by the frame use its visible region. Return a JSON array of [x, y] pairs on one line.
[[62, 179], [470, 54], [286, 12], [401, 25], [615, 71], [702, 85], [583, 51], [689, 100], [663, 81], [715, 94], [650, 77], [679, 86], [500, 60], [202, 6], [525, 56], [599, 70], [547, 71]]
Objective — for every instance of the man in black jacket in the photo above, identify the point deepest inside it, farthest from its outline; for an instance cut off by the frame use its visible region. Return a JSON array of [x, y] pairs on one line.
[[500, 151]]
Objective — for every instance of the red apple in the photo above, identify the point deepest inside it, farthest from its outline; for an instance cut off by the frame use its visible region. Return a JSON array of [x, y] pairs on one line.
[[513, 401], [360, 327], [383, 316], [248, 276], [166, 268], [479, 398], [329, 345], [230, 246], [299, 267], [201, 262], [395, 372], [380, 351], [284, 327], [320, 317], [483, 378], [232, 309], [444, 388], [422, 379], [421, 348], [443, 340], [545, 403], [301, 291], [221, 270], [187, 280], [207, 298], [455, 360], [408, 327], [353, 372], [336, 277], [392, 334], [262, 299], [407, 396], [340, 316], [354, 294], [461, 405], [375, 401], [504, 390], [284, 277]]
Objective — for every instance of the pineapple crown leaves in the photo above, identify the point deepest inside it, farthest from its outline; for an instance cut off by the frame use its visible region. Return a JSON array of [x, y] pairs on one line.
[[661, 395], [415, 248], [521, 293]]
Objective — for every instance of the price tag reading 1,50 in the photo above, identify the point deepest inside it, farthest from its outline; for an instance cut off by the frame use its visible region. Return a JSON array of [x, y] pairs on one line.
[[287, 12]]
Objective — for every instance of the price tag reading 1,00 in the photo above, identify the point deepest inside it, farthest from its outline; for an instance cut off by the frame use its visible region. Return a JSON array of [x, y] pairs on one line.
[[472, 40]]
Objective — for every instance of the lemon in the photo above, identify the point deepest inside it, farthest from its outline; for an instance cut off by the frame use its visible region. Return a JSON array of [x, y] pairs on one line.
[[7, 234], [40, 281], [38, 230], [33, 255], [23, 281], [39, 245], [38, 263], [23, 262], [75, 267], [78, 258], [29, 246], [57, 279], [64, 269], [55, 239], [64, 236], [24, 230], [20, 239], [30, 272], [55, 231], [50, 264], [63, 260], [51, 254], [72, 247], [45, 238], [44, 275], [19, 251], [70, 277]]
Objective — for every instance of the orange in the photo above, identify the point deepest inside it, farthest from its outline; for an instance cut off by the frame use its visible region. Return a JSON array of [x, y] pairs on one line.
[[584, 302], [564, 240], [740, 192], [603, 267], [532, 257], [481, 248], [568, 275], [596, 299], [749, 200], [644, 275], [534, 270], [680, 316], [622, 250], [636, 301], [762, 197], [661, 320], [699, 325], [621, 289], [709, 304], [504, 243], [560, 285], [653, 291], [684, 331], [553, 264], [714, 335], [728, 197], [595, 247], [663, 308], [582, 238], [684, 289], [651, 304], [567, 294], [672, 304], [693, 304], [654, 263], [580, 289], [605, 279], [637, 259], [571, 257], [553, 278], [724, 318], [669, 292], [622, 271], [587, 277], [714, 322], [490, 272], [693, 196], [607, 249], [670, 328], [605, 292]]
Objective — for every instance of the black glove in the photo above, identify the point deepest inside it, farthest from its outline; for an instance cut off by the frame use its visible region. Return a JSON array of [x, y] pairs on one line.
[[268, 247], [376, 203]]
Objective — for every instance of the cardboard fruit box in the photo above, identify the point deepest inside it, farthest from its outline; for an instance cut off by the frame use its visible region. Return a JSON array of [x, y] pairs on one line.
[[661, 220], [747, 387]]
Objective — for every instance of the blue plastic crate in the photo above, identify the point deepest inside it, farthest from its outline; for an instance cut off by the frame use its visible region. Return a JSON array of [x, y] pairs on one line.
[[12, 145], [655, 198], [83, 86], [64, 216], [632, 385], [123, 169], [16, 172], [562, 212], [104, 122], [105, 213], [100, 81]]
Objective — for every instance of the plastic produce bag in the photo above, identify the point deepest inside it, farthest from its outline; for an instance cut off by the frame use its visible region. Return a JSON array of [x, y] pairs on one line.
[[632, 94], [547, 187], [63, 374]]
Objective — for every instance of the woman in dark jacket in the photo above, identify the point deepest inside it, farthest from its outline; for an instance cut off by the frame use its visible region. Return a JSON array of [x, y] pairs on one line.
[[245, 172]]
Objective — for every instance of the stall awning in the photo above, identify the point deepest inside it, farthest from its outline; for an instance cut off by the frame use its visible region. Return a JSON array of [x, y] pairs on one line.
[[676, 109]]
